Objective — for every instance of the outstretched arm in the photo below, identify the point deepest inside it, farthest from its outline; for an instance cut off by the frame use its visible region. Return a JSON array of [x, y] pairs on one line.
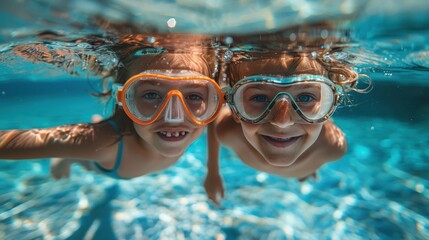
[[60, 167], [74, 141], [213, 183]]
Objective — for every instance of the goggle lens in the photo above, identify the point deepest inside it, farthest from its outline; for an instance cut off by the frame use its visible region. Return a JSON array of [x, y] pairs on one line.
[[147, 97], [312, 100]]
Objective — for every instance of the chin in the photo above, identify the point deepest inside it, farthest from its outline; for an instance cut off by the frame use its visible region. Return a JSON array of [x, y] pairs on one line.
[[281, 161], [172, 153]]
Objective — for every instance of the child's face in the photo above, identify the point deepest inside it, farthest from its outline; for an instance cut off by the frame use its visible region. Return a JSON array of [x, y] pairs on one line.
[[173, 130], [283, 138]]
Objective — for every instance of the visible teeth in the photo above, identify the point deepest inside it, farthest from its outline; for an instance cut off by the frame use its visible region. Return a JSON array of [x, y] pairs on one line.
[[173, 134]]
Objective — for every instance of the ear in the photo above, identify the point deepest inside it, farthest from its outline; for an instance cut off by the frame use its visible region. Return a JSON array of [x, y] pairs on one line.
[[236, 118]]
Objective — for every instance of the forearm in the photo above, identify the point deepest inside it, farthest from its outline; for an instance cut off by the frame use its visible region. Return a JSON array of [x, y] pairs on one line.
[[17, 144], [42, 143], [213, 183], [213, 150]]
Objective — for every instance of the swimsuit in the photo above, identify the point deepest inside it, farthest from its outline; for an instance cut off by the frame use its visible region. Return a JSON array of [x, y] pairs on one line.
[[113, 173]]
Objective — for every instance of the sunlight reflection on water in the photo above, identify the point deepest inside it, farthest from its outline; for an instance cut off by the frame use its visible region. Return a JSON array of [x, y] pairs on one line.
[[378, 191]]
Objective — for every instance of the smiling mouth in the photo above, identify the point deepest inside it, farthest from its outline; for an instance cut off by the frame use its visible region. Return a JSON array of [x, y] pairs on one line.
[[172, 135], [281, 142]]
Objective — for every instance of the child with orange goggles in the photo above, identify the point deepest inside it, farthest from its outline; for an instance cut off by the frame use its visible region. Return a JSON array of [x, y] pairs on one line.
[[163, 102]]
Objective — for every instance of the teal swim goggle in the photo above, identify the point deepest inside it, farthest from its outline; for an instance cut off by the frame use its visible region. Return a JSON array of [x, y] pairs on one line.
[[313, 97]]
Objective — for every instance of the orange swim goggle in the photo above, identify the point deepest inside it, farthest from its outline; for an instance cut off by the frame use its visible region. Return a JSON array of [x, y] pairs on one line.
[[146, 96]]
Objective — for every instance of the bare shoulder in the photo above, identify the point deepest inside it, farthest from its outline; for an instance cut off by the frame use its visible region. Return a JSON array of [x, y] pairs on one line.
[[332, 143], [101, 140], [226, 127], [230, 133], [85, 135]]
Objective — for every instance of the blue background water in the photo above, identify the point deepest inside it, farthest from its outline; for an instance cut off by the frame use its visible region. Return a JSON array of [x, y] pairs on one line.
[[379, 190]]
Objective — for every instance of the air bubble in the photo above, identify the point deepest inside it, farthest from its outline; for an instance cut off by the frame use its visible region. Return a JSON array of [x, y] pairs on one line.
[[327, 59], [151, 39], [228, 40], [171, 23], [327, 45], [228, 56], [324, 34], [388, 74], [224, 77]]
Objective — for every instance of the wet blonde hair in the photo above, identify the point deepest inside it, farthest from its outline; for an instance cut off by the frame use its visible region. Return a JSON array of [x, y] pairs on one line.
[[291, 64], [301, 49]]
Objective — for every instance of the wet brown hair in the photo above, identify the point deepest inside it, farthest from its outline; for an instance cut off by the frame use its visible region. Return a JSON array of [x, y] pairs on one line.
[[195, 62]]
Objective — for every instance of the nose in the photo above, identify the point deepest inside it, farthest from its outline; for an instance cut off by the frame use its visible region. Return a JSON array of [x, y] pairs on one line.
[[281, 114], [174, 112]]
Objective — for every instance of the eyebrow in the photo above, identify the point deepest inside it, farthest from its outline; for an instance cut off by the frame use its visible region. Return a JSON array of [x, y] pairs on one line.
[[304, 86], [200, 84], [156, 83]]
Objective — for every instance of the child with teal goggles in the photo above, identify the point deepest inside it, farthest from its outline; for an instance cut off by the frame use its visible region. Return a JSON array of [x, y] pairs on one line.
[[278, 119]]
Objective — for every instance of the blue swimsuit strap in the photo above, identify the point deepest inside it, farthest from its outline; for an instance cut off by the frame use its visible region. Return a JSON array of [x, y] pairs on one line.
[[120, 147], [113, 172]]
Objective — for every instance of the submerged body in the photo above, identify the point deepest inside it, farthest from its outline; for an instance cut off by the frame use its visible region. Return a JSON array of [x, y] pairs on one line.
[[161, 115], [97, 142]]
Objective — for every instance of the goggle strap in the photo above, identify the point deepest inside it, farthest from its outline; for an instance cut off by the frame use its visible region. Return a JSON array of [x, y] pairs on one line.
[[115, 89]]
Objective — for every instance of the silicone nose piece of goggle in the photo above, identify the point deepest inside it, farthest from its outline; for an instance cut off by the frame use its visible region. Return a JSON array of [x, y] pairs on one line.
[[174, 112], [280, 103], [281, 100], [285, 106]]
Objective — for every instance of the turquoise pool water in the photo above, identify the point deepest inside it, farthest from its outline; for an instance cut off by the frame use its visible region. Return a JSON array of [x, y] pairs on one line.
[[379, 190]]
